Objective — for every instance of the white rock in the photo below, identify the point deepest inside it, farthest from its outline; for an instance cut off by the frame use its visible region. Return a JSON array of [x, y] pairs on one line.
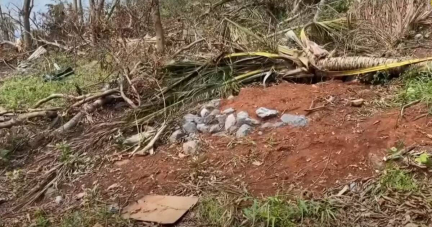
[[190, 147], [204, 112], [58, 199], [176, 136], [263, 112], [189, 127], [418, 36], [242, 116], [231, 97], [228, 111], [252, 121], [203, 128], [190, 117], [243, 131], [215, 112], [213, 104], [230, 121]]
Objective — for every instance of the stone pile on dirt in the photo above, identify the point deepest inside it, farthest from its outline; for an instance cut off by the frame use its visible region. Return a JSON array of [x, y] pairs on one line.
[[229, 122]]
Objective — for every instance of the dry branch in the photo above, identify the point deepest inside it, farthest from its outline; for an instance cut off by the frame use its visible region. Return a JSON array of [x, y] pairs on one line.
[[95, 96], [187, 47], [87, 108], [22, 117], [56, 96]]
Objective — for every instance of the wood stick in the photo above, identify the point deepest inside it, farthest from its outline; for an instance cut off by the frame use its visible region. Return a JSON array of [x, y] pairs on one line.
[[187, 47], [23, 117]]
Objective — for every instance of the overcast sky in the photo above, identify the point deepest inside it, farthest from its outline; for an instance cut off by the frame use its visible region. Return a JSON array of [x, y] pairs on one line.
[[39, 5]]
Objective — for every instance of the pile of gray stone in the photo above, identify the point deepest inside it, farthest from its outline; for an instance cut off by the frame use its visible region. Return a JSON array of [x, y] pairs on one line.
[[210, 120]]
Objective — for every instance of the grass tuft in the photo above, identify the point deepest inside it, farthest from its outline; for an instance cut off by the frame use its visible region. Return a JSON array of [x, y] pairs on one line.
[[417, 86], [397, 179]]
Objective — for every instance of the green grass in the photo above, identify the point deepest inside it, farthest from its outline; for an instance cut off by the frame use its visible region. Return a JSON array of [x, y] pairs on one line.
[[20, 92], [398, 179], [92, 216], [270, 211], [417, 86]]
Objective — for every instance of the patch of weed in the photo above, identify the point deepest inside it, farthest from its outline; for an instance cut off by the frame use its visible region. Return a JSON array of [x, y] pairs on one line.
[[65, 152], [217, 211], [398, 179], [41, 219], [92, 216], [275, 211], [20, 92], [417, 86]]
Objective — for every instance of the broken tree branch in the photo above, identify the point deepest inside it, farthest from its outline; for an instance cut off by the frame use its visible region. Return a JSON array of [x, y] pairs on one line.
[[22, 117], [95, 96], [152, 142], [188, 47], [56, 96]]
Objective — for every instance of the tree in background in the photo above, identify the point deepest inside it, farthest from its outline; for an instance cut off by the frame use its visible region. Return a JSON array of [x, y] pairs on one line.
[[160, 39], [26, 10]]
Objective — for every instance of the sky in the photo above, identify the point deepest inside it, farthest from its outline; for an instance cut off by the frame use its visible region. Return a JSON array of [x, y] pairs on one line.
[[39, 5]]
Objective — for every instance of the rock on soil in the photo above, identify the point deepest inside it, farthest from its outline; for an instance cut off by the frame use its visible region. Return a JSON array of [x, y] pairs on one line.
[[189, 127], [209, 119], [230, 122], [263, 113], [204, 112], [294, 120], [221, 119], [203, 128], [193, 118], [243, 131], [242, 116], [139, 137], [215, 112], [190, 147], [273, 125], [213, 104], [176, 136], [228, 111], [215, 128]]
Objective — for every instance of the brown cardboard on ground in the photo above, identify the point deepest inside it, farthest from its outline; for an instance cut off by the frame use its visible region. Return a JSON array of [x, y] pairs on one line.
[[160, 209]]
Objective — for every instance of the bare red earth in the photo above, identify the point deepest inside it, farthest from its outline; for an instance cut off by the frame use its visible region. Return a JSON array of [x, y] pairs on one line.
[[341, 143]]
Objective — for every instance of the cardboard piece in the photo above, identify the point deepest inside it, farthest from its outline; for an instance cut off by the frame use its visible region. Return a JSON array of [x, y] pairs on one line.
[[159, 209]]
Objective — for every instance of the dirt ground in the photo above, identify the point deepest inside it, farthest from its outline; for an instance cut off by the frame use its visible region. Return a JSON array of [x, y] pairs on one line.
[[341, 144]]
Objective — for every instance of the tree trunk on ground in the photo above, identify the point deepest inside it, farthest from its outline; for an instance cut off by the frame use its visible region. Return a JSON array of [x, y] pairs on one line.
[[26, 17], [4, 26], [160, 39]]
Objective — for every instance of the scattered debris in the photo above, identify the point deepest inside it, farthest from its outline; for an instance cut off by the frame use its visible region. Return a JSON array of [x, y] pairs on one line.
[[132, 140], [203, 128], [113, 208], [58, 199], [242, 117], [159, 209], [265, 113], [80, 195], [204, 112]]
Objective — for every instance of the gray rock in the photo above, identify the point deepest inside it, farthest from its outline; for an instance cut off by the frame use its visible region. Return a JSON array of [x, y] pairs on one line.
[[220, 134], [263, 112], [242, 116], [294, 120], [190, 117], [215, 112], [203, 128], [204, 112], [215, 128], [221, 119], [189, 127], [199, 120], [273, 125], [232, 129], [252, 122], [418, 36], [228, 111], [213, 104], [58, 199], [176, 136], [209, 119], [190, 147], [230, 121], [243, 131]]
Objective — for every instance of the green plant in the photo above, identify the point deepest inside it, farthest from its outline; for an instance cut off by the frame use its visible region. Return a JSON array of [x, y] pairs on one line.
[[395, 178], [65, 151], [275, 211], [417, 85], [41, 220], [424, 159], [92, 215], [216, 211]]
